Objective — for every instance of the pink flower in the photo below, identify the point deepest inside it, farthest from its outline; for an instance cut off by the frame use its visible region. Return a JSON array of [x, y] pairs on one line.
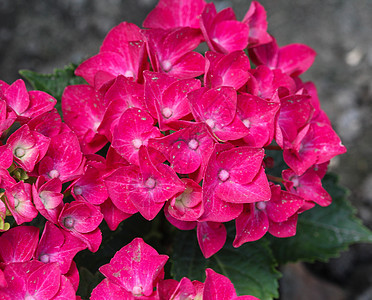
[[47, 198], [123, 52], [211, 237], [186, 149], [28, 147], [143, 189], [260, 125], [166, 14], [219, 287], [35, 280], [166, 98], [121, 95], [170, 51], [18, 244], [222, 32], [226, 70], [255, 18], [57, 245], [277, 216], [81, 219], [217, 108], [18, 201], [134, 129], [233, 176], [64, 159], [293, 59], [83, 111], [136, 268], [25, 104]]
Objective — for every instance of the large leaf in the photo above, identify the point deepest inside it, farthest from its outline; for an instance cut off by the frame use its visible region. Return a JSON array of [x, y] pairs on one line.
[[251, 267], [323, 232], [54, 83]]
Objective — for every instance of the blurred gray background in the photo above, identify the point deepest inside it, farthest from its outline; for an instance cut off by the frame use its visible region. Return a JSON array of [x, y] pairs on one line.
[[41, 35]]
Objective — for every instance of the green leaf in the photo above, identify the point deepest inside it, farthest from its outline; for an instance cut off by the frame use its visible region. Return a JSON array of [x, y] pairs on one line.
[[87, 282], [323, 232], [55, 83], [251, 267]]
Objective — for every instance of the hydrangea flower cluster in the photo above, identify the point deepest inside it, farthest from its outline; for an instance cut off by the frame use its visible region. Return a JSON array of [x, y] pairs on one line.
[[187, 133]]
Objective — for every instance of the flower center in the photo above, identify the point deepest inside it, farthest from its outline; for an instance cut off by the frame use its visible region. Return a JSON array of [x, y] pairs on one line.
[[137, 143], [68, 222], [223, 175], [44, 258], [167, 65], [210, 123], [78, 190], [150, 183], [167, 112], [129, 74], [137, 291], [19, 152], [16, 202], [261, 205], [53, 174], [193, 144], [247, 123]]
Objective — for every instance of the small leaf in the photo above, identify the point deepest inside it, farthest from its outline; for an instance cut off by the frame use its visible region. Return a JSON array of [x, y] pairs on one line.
[[251, 267], [323, 232], [54, 83]]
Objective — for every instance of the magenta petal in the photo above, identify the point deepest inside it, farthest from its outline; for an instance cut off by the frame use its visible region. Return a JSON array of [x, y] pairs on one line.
[[188, 205], [282, 204], [64, 158], [188, 66], [135, 267], [295, 59], [230, 36], [255, 191], [284, 229], [211, 237], [17, 97], [227, 70], [6, 157], [80, 216], [307, 186], [117, 186], [112, 215], [118, 37], [44, 282], [134, 129], [110, 62], [18, 244], [166, 14], [217, 210], [251, 225], [57, 245], [83, 111], [66, 290], [40, 102], [182, 225], [215, 107], [217, 287], [107, 290]]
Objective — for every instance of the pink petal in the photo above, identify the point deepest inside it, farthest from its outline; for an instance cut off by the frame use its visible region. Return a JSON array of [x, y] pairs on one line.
[[211, 237], [19, 244], [251, 225], [167, 14], [217, 287]]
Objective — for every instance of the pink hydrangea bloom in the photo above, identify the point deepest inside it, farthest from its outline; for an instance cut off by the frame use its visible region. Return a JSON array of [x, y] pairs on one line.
[[136, 267]]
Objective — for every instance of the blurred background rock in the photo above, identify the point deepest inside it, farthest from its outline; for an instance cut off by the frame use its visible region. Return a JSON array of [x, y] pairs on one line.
[[41, 35]]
